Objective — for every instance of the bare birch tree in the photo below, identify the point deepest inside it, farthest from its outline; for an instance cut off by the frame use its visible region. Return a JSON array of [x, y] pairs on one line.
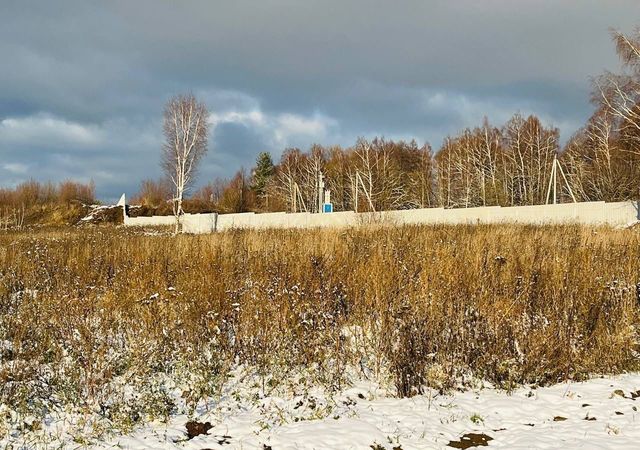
[[598, 166], [421, 183], [604, 158], [286, 181], [529, 150], [619, 94], [185, 133]]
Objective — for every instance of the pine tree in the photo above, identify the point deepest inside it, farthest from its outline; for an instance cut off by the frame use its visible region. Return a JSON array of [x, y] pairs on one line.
[[262, 173]]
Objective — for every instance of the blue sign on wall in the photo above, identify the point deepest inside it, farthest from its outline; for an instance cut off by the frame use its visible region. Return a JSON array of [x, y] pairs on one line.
[[327, 207]]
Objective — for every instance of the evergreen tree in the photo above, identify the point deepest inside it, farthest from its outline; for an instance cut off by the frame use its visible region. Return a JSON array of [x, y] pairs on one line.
[[262, 173]]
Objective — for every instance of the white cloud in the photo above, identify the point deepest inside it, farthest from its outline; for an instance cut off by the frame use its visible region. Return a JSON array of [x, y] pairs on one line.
[[116, 153], [16, 168], [469, 111], [45, 129], [292, 125], [278, 130], [247, 118]]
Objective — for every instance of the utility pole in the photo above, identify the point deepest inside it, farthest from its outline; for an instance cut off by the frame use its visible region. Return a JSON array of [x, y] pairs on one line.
[[553, 181], [356, 193], [294, 197], [320, 191]]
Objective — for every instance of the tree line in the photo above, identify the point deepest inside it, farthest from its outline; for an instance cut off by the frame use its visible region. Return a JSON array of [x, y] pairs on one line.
[[507, 165], [32, 193]]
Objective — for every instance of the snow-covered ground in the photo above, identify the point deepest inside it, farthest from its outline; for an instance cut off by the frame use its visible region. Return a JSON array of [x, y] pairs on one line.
[[600, 413]]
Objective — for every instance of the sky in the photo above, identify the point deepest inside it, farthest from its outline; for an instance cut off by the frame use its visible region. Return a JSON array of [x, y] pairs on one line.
[[83, 83]]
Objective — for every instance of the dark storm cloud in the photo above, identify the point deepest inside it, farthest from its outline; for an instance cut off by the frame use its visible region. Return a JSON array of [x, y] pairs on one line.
[[236, 145], [83, 82]]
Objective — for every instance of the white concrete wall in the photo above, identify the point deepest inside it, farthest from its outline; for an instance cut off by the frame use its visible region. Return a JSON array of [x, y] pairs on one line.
[[191, 223], [153, 221], [199, 223], [588, 213]]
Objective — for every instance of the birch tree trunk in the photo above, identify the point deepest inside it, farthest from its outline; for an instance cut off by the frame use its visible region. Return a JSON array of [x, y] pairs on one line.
[[186, 134]]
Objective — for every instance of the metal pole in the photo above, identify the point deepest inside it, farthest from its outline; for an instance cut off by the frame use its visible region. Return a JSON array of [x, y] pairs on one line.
[[356, 200], [549, 187], [555, 162], [567, 183], [295, 198], [320, 191]]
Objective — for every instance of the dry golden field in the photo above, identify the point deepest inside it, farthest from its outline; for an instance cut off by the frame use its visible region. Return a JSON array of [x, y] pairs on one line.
[[83, 312]]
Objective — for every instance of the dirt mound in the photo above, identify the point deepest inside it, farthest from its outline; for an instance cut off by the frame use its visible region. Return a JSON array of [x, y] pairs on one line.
[[101, 214]]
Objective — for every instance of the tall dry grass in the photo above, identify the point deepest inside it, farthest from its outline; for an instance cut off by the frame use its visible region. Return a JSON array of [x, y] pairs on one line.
[[33, 193], [427, 306], [45, 204]]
